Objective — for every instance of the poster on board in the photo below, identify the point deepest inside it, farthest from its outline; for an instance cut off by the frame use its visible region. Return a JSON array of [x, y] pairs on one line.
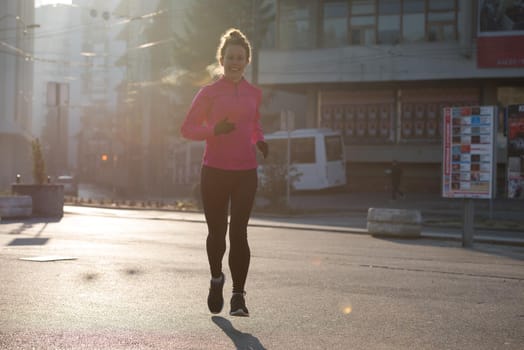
[[500, 34], [469, 152], [515, 176]]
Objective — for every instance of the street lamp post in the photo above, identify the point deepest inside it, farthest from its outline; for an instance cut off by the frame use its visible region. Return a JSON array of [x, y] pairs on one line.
[[57, 97]]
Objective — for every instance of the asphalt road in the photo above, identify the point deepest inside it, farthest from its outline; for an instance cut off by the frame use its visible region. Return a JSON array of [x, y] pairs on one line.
[[141, 283]]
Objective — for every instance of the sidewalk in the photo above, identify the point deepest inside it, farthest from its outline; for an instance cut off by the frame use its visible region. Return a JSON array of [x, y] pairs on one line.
[[347, 213], [498, 213], [499, 221], [429, 203]]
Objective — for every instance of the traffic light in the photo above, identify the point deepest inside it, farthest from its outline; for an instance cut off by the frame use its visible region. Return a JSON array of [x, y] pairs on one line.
[[104, 157]]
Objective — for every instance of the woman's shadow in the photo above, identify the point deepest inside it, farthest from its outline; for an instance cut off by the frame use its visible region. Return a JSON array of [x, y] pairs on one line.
[[242, 341]]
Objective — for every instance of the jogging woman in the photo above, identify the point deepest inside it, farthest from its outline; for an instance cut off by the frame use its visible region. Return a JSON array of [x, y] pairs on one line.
[[225, 114]]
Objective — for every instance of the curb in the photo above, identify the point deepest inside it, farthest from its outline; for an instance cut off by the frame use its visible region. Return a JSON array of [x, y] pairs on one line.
[[255, 222], [450, 223]]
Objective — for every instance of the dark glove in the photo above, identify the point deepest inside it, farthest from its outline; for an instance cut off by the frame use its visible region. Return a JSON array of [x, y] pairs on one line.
[[223, 127], [263, 147]]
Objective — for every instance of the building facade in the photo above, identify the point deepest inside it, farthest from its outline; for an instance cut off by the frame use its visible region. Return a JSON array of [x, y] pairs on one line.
[[16, 74], [381, 72], [74, 84]]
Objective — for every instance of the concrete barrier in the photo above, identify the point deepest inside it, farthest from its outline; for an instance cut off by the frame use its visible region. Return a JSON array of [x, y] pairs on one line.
[[16, 206], [394, 222], [48, 199]]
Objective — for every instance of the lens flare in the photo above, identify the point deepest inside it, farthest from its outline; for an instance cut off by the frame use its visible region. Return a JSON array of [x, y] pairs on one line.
[[347, 309], [316, 261]]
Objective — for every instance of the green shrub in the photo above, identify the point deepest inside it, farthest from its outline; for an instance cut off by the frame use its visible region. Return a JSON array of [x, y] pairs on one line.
[[273, 178]]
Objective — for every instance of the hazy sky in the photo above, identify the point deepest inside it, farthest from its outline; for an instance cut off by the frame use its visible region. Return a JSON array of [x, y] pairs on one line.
[[47, 2]]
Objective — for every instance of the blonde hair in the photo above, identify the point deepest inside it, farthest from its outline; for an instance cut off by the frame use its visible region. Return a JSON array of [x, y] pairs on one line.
[[233, 36]]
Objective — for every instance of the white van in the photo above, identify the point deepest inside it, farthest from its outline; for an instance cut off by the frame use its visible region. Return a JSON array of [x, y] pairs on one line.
[[316, 154]]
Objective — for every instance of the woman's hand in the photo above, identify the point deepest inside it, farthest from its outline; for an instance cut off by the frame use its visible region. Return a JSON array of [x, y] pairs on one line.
[[223, 127], [263, 147]]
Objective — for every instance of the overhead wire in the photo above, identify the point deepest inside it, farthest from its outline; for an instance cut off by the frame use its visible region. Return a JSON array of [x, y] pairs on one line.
[[68, 30], [42, 33], [103, 25]]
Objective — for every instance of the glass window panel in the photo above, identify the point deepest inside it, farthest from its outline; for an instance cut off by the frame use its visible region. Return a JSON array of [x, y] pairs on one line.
[[413, 6], [441, 16], [362, 7], [303, 150], [448, 32], [363, 36], [296, 30], [441, 32], [363, 21], [356, 37], [441, 4], [413, 27], [268, 41], [389, 7], [388, 29], [335, 25], [335, 33], [335, 9], [369, 36], [434, 33]]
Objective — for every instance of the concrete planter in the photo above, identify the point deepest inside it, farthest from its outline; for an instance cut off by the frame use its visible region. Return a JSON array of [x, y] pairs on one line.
[[394, 222], [48, 199], [15, 206]]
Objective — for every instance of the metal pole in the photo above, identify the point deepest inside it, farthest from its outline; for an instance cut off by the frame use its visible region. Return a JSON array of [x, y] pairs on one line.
[[467, 234], [58, 141], [255, 43], [288, 158]]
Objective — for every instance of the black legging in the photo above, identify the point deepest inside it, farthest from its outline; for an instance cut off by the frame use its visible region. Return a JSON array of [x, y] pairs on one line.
[[219, 189]]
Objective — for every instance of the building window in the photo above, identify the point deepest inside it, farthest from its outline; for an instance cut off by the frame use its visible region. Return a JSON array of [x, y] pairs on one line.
[[362, 22], [365, 22], [297, 24], [388, 26], [413, 20], [268, 40], [335, 23], [442, 20]]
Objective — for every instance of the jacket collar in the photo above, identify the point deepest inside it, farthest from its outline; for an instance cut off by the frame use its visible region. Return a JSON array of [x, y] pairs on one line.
[[225, 80]]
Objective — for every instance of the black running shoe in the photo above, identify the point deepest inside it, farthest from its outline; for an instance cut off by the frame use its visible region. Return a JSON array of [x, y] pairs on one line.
[[238, 305], [215, 300]]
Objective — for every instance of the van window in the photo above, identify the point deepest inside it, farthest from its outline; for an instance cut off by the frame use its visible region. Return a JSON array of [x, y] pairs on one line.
[[302, 149], [333, 148]]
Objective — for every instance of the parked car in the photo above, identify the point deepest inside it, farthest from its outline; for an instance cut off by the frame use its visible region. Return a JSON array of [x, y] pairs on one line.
[[70, 184]]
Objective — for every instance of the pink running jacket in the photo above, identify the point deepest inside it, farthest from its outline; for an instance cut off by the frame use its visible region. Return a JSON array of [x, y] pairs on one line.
[[239, 102]]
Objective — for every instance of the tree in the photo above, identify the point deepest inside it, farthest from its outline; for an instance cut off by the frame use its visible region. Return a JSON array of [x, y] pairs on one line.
[[273, 179], [206, 20]]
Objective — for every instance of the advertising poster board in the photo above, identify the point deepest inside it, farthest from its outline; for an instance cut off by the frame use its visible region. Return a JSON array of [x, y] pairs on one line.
[[469, 152], [500, 34], [515, 123]]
